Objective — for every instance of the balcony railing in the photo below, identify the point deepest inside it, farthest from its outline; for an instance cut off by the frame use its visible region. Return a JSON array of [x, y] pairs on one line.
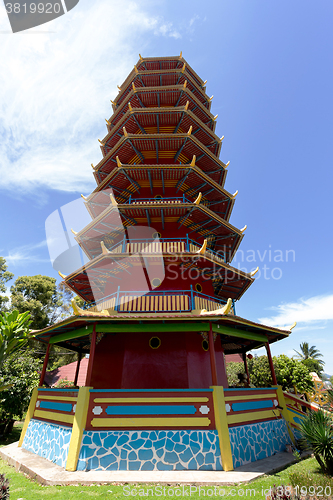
[[162, 245], [156, 301]]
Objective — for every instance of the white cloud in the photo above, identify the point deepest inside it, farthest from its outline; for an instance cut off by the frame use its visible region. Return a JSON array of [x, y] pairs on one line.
[[318, 308], [56, 87], [25, 253]]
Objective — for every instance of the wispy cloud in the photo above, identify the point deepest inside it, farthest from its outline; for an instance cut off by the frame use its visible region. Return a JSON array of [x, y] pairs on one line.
[[305, 310], [56, 87], [26, 253]]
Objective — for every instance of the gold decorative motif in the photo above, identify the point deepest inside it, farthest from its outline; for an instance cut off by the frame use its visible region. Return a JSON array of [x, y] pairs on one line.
[[81, 312], [255, 271], [119, 164], [101, 143], [133, 87], [222, 138], [130, 107], [125, 132], [211, 98], [180, 55], [215, 117], [74, 232], [227, 164], [183, 68], [234, 195], [141, 58], [198, 199], [113, 200], [187, 105], [293, 326], [193, 161], [85, 199], [243, 229], [204, 83], [136, 69], [105, 251], [63, 276], [203, 248], [185, 83], [107, 121], [190, 130]]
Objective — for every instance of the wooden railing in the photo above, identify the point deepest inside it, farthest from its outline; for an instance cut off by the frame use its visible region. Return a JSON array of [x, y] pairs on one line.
[[151, 409], [246, 406], [56, 405]]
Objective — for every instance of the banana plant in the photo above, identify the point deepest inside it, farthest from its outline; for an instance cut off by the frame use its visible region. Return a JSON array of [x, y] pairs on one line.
[[14, 334]]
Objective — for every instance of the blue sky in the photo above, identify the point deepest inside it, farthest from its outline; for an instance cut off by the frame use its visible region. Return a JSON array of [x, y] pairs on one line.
[[269, 67]]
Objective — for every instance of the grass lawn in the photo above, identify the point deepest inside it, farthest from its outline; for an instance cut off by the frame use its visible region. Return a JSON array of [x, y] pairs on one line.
[[24, 488]]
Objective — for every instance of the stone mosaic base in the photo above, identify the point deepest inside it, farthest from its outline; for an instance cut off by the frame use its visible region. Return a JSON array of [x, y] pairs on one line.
[[150, 450], [256, 441], [48, 441]]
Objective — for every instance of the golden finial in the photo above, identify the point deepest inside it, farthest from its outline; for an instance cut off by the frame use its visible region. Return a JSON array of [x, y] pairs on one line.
[[183, 68], [203, 248], [292, 326], [81, 312], [222, 138], [227, 164], [125, 132], [243, 229], [62, 275], [113, 200], [141, 58], [190, 130], [193, 161], [112, 102], [119, 164], [225, 310], [130, 107], [215, 117], [204, 83], [93, 166], [252, 273], [135, 69], [198, 199], [187, 105], [119, 88], [234, 195], [85, 199], [180, 55], [133, 87], [105, 251], [74, 232], [211, 98], [102, 143], [185, 83], [107, 121]]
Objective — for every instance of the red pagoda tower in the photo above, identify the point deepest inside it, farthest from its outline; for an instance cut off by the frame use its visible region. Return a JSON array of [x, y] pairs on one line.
[[159, 293]]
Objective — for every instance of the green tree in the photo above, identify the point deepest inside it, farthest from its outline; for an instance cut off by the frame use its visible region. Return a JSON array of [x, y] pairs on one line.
[[21, 374], [39, 295], [233, 368], [313, 365], [5, 276], [317, 432], [308, 352], [289, 373], [14, 333]]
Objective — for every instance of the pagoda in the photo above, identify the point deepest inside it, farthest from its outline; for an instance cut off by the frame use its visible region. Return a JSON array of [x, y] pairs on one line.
[[159, 296]]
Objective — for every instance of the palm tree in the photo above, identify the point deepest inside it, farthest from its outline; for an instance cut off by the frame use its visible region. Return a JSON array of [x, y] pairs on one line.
[[310, 353]]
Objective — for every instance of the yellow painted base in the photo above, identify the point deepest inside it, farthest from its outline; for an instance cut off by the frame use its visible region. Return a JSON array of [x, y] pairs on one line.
[[30, 414], [79, 424], [151, 422], [222, 428]]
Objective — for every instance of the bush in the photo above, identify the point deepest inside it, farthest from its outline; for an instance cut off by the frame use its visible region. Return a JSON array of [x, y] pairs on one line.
[[317, 432], [233, 368], [22, 373], [305, 480], [64, 383]]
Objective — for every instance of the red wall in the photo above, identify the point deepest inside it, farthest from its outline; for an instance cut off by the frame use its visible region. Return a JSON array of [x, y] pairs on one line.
[[126, 361]]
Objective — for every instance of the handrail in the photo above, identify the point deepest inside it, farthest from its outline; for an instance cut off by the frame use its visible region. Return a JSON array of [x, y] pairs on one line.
[[188, 241], [191, 294]]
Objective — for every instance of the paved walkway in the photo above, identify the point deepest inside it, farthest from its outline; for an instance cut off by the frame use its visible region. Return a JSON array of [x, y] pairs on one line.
[[47, 473]]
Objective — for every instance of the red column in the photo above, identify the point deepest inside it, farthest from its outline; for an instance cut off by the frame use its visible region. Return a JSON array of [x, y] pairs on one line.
[[271, 363], [246, 367], [77, 367], [46, 359], [212, 355], [91, 356]]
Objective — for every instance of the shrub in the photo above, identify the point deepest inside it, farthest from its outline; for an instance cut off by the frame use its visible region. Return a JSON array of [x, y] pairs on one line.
[[233, 368], [64, 383], [317, 432]]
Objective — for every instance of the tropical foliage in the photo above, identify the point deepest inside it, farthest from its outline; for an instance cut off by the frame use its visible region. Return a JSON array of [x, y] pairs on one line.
[[14, 333], [317, 431], [308, 352]]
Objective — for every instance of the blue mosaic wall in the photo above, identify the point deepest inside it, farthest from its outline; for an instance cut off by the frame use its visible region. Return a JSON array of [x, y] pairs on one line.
[[150, 450], [48, 441], [256, 441]]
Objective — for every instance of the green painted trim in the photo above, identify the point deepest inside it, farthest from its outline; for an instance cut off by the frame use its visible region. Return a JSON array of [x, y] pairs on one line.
[[234, 332], [74, 334], [158, 327]]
